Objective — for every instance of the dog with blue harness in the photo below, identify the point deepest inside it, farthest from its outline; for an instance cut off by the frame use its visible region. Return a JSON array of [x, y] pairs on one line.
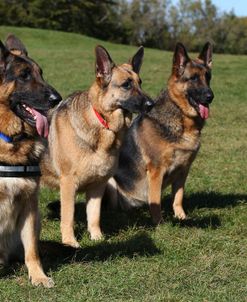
[[25, 99]]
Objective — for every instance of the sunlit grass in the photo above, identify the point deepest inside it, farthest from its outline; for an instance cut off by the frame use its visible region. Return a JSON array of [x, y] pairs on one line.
[[202, 259]]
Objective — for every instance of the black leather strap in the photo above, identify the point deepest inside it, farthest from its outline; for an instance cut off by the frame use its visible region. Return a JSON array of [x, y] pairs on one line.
[[19, 171]]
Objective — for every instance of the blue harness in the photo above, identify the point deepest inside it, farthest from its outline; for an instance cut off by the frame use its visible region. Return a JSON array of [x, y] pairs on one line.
[[6, 138]]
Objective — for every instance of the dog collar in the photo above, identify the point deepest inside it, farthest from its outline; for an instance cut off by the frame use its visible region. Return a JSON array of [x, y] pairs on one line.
[[101, 119], [19, 171], [6, 138]]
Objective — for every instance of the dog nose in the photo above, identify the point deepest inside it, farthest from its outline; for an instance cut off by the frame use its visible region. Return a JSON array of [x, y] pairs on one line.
[[55, 98], [148, 105], [209, 96]]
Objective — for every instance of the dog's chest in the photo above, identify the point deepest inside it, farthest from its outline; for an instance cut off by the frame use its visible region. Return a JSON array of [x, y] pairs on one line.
[[183, 156], [13, 192], [101, 165], [102, 161]]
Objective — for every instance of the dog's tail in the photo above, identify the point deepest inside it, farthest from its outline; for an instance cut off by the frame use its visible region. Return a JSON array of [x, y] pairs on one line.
[[115, 198], [111, 194]]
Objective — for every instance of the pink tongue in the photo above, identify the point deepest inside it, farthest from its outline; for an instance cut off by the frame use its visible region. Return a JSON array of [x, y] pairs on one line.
[[41, 123], [204, 111]]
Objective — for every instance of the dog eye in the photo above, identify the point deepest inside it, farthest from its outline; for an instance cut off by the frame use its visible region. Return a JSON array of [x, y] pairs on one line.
[[127, 84], [195, 77], [25, 75]]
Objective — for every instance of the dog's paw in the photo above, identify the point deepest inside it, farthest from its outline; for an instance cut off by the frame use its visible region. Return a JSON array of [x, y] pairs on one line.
[[45, 281], [96, 235], [73, 243], [179, 213]]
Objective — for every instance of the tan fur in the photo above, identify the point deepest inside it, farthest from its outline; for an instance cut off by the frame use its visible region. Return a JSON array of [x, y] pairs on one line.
[[83, 154], [172, 160], [161, 146], [19, 215]]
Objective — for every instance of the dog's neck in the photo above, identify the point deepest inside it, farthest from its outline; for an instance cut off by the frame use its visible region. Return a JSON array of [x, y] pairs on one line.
[[171, 120], [95, 95], [101, 119], [114, 120]]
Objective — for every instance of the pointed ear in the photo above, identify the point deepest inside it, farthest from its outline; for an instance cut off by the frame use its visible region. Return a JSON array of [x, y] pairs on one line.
[[180, 59], [206, 54], [3, 56], [15, 45], [136, 60], [104, 65]]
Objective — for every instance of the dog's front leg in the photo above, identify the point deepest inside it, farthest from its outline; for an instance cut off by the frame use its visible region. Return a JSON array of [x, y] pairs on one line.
[[94, 197], [178, 193], [67, 199], [29, 236], [155, 179]]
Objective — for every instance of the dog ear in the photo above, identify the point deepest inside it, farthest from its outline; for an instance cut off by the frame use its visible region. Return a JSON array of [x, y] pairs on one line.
[[3, 56], [180, 59], [136, 60], [206, 54], [15, 45], [104, 66]]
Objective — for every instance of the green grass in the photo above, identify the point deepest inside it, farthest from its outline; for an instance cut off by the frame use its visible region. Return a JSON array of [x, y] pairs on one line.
[[202, 259]]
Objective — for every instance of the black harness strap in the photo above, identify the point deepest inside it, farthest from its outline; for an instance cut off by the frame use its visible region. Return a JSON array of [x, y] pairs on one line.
[[19, 171]]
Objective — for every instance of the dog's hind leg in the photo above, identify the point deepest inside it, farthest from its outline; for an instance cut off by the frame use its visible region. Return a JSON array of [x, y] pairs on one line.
[[155, 180], [94, 197], [67, 198], [29, 231], [178, 193]]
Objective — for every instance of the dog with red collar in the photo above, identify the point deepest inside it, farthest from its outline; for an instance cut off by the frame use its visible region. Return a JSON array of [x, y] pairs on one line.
[[86, 133]]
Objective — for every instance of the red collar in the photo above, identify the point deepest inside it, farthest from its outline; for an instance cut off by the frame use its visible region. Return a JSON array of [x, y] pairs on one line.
[[101, 119]]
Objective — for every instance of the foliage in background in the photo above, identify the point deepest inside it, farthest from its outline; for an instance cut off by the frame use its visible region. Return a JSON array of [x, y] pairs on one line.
[[152, 23]]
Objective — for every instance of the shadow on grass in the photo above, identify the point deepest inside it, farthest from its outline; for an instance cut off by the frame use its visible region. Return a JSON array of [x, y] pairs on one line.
[[56, 253], [199, 200], [115, 221], [213, 200], [112, 222], [212, 222], [8, 271]]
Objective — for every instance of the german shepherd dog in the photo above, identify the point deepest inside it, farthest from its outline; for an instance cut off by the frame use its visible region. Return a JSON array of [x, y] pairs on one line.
[[161, 145], [25, 99], [86, 133]]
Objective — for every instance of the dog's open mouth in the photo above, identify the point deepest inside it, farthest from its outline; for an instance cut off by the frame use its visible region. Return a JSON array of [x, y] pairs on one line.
[[35, 118], [203, 109]]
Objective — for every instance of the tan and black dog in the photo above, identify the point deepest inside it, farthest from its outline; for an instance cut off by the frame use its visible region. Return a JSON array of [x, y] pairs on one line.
[[161, 145], [85, 136], [25, 99]]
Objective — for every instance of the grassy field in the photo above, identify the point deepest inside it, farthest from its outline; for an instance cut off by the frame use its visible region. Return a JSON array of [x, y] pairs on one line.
[[201, 259]]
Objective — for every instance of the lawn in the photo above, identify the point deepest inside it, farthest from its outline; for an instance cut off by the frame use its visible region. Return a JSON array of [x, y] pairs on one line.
[[201, 259]]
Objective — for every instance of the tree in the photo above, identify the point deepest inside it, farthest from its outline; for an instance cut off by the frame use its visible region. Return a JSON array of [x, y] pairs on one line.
[[152, 23]]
